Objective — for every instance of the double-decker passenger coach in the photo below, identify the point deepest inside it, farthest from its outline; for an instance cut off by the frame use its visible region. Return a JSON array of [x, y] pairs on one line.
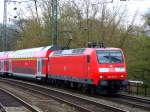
[[26, 63]]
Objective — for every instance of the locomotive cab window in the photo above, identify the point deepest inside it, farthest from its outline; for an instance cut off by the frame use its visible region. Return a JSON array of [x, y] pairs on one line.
[[109, 56]]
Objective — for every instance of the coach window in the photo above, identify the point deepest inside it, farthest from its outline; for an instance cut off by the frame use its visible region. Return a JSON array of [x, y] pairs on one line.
[[5, 62], [43, 62]]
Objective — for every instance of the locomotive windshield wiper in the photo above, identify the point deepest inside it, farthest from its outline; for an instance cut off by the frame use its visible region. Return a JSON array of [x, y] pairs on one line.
[[114, 60]]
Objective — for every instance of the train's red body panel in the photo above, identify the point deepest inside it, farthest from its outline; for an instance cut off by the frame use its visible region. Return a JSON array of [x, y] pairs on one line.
[[24, 66], [104, 68], [65, 66]]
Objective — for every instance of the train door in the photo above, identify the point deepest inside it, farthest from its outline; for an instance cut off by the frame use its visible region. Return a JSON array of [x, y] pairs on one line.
[[9, 67], [39, 67], [6, 65], [2, 65]]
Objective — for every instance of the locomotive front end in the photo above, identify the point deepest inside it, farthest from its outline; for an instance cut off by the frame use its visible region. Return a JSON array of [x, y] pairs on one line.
[[111, 69]]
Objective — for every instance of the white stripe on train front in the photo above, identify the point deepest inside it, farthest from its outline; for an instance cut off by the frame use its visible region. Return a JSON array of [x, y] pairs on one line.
[[103, 69], [117, 69]]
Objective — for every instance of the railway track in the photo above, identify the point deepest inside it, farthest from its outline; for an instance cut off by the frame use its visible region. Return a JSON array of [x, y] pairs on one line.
[[140, 99], [135, 101], [130, 101], [81, 103], [12, 103]]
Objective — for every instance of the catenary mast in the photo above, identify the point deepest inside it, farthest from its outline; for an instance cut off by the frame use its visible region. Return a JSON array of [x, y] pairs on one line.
[[55, 22], [4, 38]]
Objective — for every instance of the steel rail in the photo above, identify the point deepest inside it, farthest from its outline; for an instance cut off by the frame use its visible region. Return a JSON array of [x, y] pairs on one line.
[[2, 109], [131, 101], [136, 101], [140, 99], [48, 91], [27, 105]]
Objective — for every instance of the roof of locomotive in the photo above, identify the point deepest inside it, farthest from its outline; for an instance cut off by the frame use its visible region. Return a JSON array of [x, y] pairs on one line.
[[79, 51], [108, 48]]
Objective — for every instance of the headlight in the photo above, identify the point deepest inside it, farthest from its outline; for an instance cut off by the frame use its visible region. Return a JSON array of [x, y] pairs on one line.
[[100, 76], [122, 76]]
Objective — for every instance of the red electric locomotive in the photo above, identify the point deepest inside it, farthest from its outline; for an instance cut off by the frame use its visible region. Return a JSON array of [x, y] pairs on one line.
[[99, 68]]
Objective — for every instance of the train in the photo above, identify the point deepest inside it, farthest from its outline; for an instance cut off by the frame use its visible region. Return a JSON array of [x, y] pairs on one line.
[[88, 69]]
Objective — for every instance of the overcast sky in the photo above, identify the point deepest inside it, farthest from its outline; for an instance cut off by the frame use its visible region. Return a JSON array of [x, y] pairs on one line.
[[133, 5]]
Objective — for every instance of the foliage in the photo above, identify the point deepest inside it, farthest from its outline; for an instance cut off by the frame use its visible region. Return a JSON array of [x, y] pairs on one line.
[[12, 37], [32, 35], [138, 60]]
